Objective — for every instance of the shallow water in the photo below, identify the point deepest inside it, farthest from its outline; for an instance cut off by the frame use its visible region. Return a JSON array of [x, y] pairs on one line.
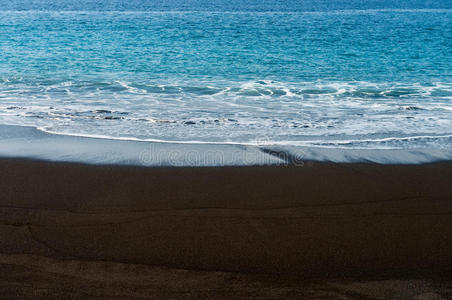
[[288, 73]]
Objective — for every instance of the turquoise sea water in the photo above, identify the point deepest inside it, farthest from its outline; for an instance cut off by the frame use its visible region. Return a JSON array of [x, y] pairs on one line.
[[323, 73]]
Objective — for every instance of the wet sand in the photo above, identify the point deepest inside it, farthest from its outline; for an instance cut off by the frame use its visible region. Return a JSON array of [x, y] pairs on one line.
[[316, 230]]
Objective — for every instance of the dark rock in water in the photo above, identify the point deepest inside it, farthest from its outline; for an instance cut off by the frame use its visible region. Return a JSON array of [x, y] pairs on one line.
[[112, 118], [189, 123], [103, 111]]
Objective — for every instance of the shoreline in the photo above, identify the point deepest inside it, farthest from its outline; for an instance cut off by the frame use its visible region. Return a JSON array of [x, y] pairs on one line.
[[31, 143]]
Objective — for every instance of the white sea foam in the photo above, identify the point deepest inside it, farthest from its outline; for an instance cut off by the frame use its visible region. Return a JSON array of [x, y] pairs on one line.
[[355, 115]]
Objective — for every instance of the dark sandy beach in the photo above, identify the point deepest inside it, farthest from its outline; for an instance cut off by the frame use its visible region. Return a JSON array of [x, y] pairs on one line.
[[318, 230]]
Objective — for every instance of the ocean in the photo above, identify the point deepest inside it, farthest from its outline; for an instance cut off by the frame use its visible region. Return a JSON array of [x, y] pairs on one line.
[[333, 74]]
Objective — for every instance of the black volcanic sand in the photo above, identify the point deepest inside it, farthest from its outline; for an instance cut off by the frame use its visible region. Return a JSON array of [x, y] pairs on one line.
[[323, 230]]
